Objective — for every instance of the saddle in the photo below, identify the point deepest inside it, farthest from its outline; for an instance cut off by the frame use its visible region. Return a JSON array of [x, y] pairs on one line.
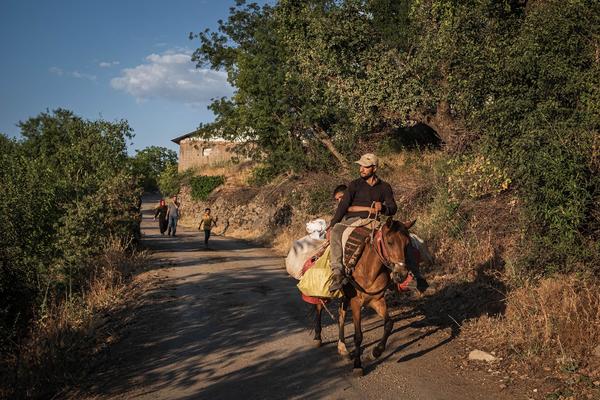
[[354, 241]]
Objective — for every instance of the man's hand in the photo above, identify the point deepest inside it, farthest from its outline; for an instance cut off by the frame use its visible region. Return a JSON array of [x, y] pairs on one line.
[[377, 207]]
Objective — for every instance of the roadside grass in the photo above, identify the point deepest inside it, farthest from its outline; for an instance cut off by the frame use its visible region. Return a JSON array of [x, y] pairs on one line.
[[63, 341], [550, 326]]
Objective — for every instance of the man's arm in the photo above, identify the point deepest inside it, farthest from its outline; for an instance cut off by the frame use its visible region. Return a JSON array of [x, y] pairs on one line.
[[342, 208], [390, 206]]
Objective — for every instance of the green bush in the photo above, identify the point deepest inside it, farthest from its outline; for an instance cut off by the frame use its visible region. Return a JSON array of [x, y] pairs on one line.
[[149, 163], [67, 188], [169, 181], [202, 186], [263, 174]]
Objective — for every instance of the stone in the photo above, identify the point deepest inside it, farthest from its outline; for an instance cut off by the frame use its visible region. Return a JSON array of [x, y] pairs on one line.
[[596, 351], [478, 355]]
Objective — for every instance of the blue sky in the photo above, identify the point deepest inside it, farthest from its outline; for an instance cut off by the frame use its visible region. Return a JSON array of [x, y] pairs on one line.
[[109, 59]]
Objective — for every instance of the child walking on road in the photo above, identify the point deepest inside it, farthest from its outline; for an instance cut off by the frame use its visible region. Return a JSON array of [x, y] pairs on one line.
[[206, 224]]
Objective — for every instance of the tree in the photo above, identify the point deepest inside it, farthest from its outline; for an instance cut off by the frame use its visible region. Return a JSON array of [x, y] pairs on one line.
[[150, 162], [515, 80], [67, 190]]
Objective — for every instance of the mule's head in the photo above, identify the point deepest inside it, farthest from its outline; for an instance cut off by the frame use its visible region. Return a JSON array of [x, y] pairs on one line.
[[396, 240]]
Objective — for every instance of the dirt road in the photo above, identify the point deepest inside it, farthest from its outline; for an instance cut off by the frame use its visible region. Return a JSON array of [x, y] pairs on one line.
[[228, 323]]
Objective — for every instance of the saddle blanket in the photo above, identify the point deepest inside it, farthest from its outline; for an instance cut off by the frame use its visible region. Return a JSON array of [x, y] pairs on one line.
[[354, 237]]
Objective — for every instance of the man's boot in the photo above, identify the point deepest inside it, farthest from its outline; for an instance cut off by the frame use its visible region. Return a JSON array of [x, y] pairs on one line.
[[422, 284]]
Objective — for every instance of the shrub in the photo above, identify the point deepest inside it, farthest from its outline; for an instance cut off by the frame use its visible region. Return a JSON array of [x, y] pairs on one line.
[[67, 188], [202, 186], [475, 176], [149, 163], [263, 174], [170, 180]]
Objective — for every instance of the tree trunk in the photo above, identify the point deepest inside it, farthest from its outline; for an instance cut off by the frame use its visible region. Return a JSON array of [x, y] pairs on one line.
[[447, 128], [324, 138]]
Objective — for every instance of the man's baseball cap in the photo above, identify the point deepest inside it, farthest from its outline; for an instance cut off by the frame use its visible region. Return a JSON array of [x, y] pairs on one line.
[[368, 159]]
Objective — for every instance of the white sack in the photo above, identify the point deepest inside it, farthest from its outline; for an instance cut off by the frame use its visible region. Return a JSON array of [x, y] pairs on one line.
[[301, 250], [316, 228]]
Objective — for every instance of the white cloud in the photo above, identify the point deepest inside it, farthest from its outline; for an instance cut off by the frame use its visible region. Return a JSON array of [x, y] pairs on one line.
[[82, 75], [56, 71], [173, 76], [74, 74], [108, 64]]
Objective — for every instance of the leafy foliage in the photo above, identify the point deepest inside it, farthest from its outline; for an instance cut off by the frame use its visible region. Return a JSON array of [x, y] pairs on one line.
[[170, 180], [514, 83], [67, 190], [202, 186], [150, 162]]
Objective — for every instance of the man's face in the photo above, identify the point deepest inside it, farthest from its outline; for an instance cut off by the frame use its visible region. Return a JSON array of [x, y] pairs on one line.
[[338, 197], [367, 172]]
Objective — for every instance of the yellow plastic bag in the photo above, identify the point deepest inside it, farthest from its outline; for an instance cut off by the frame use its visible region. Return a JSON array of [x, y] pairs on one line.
[[315, 282]]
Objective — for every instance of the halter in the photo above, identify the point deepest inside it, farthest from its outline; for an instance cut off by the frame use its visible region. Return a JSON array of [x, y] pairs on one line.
[[379, 246]]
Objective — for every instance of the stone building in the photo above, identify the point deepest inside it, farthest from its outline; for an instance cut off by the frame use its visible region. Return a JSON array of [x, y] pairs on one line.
[[197, 152]]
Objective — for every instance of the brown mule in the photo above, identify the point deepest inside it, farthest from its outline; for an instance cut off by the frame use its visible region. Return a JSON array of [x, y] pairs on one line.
[[371, 277]]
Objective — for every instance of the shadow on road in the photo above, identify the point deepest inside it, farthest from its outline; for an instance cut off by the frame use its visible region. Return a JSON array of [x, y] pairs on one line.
[[234, 327]]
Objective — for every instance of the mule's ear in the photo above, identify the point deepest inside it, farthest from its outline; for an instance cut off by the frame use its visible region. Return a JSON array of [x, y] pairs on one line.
[[410, 224], [389, 222]]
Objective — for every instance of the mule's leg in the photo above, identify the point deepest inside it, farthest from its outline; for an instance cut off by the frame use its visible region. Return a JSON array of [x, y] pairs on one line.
[[317, 337], [381, 309], [341, 323], [358, 336]]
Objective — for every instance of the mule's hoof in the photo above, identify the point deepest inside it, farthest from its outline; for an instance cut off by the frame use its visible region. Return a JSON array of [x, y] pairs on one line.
[[356, 372], [376, 352], [342, 350], [317, 343]]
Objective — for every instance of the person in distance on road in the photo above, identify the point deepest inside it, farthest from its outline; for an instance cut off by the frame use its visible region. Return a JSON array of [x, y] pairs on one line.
[[160, 212], [172, 216], [206, 224]]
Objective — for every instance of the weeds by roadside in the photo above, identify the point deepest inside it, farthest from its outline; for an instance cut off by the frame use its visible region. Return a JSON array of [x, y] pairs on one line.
[[65, 336], [549, 333]]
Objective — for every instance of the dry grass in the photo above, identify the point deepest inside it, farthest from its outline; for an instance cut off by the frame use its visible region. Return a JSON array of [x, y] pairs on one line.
[[70, 330], [282, 242], [554, 324]]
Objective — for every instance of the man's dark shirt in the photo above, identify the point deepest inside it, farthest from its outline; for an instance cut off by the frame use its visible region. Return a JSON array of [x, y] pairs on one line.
[[360, 193]]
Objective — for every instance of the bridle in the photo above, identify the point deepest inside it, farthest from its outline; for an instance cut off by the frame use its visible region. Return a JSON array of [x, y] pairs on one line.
[[377, 243], [380, 248]]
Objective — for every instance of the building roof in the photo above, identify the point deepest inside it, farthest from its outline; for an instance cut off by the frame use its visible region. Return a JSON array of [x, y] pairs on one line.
[[193, 134], [180, 138]]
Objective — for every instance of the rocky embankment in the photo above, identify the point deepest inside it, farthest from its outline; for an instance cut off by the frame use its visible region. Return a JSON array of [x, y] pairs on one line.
[[268, 215]]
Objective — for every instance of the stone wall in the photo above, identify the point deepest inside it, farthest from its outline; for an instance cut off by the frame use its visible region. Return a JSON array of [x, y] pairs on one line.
[[248, 213]]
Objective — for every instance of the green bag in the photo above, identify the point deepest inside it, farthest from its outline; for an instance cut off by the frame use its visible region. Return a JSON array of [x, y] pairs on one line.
[[315, 282]]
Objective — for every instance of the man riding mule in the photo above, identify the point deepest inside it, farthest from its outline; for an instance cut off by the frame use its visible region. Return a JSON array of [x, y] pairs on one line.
[[382, 251], [370, 278], [365, 198]]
